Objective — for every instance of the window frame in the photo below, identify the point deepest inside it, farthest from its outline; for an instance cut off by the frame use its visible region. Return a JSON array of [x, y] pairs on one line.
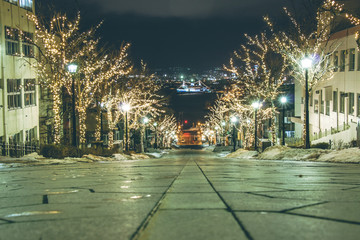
[[336, 61], [29, 92], [335, 101], [12, 43], [351, 97], [14, 94], [351, 59], [26, 4], [342, 102], [342, 60]]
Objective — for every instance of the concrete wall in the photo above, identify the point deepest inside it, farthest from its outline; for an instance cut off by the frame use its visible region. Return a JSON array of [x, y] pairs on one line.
[[16, 121]]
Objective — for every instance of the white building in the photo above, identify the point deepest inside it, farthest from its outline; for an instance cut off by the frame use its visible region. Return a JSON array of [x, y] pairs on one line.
[[19, 111], [335, 104]]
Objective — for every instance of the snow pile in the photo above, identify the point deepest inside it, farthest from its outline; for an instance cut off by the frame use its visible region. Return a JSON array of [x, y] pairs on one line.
[[350, 155], [286, 153], [223, 153], [242, 153]]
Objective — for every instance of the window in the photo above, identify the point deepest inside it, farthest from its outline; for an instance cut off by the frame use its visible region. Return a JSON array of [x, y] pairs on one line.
[[351, 103], [316, 106], [311, 99], [322, 105], [14, 93], [27, 46], [358, 105], [327, 108], [27, 4], [29, 95], [12, 41], [342, 60], [30, 135], [342, 102], [12, 1], [335, 101], [352, 59], [336, 61]]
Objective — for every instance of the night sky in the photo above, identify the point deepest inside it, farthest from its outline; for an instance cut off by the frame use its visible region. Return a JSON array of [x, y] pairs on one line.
[[199, 34]]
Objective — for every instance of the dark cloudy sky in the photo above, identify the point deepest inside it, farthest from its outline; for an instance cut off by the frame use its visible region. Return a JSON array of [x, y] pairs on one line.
[[188, 33]]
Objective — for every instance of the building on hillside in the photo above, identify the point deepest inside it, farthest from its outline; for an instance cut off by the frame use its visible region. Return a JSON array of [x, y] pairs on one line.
[[19, 106], [334, 105]]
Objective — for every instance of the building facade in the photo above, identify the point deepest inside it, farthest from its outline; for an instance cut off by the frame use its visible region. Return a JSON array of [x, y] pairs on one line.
[[334, 105], [19, 101]]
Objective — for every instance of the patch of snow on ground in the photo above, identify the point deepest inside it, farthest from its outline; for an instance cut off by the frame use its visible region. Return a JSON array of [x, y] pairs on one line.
[[286, 153], [223, 154], [350, 155], [242, 153]]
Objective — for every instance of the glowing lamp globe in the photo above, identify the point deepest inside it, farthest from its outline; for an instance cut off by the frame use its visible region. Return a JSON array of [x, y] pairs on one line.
[[126, 107], [72, 68], [306, 63]]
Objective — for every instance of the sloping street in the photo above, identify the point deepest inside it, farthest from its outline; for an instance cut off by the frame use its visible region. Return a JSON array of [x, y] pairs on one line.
[[188, 194]]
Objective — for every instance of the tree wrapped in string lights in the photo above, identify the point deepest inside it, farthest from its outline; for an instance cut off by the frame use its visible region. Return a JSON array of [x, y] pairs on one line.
[[98, 74], [261, 74], [165, 130], [58, 46]]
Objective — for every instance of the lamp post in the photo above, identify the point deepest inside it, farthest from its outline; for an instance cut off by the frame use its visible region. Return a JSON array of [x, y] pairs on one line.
[[223, 132], [101, 121], [145, 121], [126, 107], [216, 135], [72, 68], [283, 101], [306, 63], [233, 121], [256, 106], [155, 144]]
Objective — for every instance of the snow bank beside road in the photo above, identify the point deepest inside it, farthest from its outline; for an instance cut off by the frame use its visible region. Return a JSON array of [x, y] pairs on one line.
[[286, 153], [350, 155], [35, 159]]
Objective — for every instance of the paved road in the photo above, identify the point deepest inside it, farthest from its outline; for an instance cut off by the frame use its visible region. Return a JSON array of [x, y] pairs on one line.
[[189, 194]]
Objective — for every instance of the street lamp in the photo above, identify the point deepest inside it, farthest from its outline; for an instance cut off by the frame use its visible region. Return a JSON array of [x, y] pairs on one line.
[[256, 106], [306, 63], [283, 101], [72, 68], [145, 121], [101, 121], [126, 107], [216, 134], [234, 121], [223, 123]]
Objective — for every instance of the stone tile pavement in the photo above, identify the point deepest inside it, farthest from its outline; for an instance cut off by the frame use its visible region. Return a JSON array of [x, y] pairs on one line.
[[190, 194]]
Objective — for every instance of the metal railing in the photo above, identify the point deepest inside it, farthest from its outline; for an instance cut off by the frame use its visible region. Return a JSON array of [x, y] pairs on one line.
[[330, 131], [18, 149]]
